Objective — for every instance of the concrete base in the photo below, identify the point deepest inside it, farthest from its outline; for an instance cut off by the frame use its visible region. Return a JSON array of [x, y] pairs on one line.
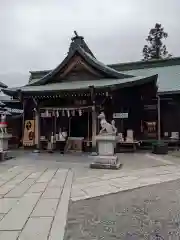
[[105, 157], [4, 155], [106, 162], [4, 138], [105, 165]]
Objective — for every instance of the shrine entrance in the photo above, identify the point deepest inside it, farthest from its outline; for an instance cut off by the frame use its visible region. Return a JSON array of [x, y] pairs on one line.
[[81, 126]]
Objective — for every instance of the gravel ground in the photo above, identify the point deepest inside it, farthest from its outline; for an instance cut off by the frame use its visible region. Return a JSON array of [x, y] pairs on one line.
[[147, 213]]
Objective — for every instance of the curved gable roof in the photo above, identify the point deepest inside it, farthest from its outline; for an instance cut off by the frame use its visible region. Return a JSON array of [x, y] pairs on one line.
[[90, 59]]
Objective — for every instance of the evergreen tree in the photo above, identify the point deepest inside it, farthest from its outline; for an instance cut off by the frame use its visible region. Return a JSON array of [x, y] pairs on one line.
[[155, 49]]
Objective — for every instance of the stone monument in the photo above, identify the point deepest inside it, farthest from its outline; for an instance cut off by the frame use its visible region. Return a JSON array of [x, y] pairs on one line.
[[106, 143], [4, 138]]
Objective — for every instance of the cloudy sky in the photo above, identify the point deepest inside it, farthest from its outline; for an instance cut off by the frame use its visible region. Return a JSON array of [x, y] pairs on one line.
[[35, 34]]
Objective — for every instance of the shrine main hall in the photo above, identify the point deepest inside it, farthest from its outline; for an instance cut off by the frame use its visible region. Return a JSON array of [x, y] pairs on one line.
[[71, 95]]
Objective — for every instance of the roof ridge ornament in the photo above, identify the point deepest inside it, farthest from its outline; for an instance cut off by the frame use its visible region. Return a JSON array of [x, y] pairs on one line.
[[76, 36]]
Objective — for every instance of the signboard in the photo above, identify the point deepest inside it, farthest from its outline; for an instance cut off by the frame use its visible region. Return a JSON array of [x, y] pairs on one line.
[[120, 115], [29, 128]]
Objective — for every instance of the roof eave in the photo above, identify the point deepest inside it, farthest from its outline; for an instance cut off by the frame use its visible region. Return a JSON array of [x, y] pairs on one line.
[[2, 85], [34, 92], [10, 92], [171, 92]]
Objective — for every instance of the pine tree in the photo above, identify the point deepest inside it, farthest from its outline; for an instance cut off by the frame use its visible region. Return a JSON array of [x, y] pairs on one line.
[[155, 49]]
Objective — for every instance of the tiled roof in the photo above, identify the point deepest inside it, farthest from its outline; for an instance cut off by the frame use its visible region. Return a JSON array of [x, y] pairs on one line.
[[3, 85], [13, 110], [168, 77], [82, 85], [107, 71]]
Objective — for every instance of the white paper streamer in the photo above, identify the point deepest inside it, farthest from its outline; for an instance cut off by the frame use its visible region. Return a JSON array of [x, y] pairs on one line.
[[80, 112], [63, 113], [68, 113], [57, 113], [47, 113]]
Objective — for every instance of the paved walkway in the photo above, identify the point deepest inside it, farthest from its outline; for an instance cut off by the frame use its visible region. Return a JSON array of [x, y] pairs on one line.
[[93, 186], [35, 193], [34, 204]]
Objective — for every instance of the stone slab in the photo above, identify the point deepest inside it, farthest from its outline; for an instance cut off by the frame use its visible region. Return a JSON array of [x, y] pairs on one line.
[[36, 174], [100, 190], [20, 177], [78, 193], [10, 174], [6, 204], [47, 176], [37, 187], [15, 181], [9, 235], [85, 180], [83, 186], [6, 188], [14, 173], [20, 190], [58, 226], [55, 182], [17, 217], [36, 229], [2, 215], [58, 179], [52, 193], [9, 185], [45, 208]]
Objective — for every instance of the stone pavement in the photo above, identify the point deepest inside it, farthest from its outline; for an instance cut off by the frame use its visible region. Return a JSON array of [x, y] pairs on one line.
[[117, 181], [34, 204], [35, 189]]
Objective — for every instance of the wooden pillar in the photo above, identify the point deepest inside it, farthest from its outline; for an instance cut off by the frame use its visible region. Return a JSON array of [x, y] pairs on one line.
[[159, 116], [37, 124], [94, 127], [23, 122], [94, 117], [23, 101], [37, 128]]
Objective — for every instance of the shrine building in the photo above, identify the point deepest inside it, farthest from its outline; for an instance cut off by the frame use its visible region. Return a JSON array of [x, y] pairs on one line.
[[71, 95]]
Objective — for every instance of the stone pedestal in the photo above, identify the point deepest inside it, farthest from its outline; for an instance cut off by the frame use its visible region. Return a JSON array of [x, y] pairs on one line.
[[106, 157], [4, 138]]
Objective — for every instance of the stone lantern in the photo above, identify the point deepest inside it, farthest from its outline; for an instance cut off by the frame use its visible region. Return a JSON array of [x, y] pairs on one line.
[[4, 137]]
